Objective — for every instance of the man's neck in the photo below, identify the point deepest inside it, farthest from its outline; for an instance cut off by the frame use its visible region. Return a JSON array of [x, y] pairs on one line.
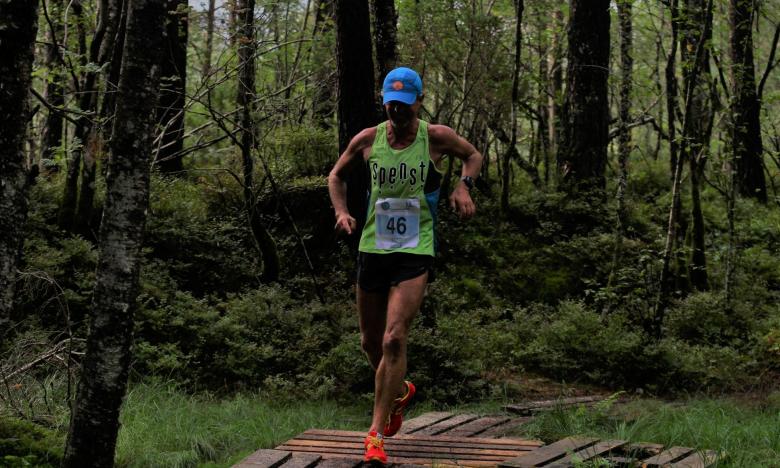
[[401, 134]]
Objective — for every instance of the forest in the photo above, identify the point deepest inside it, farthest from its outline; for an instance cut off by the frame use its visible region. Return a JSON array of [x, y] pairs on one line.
[[173, 291]]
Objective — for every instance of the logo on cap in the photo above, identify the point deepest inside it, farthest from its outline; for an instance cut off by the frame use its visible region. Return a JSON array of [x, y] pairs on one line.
[[398, 86]]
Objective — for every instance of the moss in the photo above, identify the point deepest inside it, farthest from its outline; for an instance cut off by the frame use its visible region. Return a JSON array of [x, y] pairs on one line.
[[26, 444]]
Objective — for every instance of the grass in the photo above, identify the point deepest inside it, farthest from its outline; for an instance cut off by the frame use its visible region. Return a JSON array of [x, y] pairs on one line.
[[163, 427], [748, 433]]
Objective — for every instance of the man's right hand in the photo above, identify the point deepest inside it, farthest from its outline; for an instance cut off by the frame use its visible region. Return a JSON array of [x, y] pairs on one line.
[[345, 223]]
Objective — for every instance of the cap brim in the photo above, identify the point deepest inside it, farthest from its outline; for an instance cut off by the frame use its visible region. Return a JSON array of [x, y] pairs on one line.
[[406, 98]]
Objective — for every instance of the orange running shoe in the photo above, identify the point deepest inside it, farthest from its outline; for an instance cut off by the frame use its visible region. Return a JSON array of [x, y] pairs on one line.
[[396, 417], [375, 449]]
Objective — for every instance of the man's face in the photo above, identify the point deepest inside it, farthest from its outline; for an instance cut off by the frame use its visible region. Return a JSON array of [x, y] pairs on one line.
[[401, 115]]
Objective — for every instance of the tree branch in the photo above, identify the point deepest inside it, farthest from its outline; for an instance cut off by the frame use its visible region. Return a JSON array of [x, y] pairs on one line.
[[770, 64]]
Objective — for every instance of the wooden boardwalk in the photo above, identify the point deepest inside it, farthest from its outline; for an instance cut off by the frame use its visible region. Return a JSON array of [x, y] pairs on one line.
[[448, 439]]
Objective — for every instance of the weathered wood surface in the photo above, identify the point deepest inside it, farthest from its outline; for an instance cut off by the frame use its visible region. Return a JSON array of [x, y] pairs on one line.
[[402, 449], [444, 439], [549, 453], [529, 407]]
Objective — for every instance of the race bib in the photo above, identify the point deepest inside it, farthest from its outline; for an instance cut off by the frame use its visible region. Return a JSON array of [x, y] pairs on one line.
[[397, 223]]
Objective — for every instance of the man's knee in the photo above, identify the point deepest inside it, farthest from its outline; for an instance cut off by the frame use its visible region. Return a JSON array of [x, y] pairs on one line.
[[393, 344]]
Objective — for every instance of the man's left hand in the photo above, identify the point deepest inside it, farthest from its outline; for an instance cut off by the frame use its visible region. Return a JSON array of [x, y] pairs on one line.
[[461, 202]]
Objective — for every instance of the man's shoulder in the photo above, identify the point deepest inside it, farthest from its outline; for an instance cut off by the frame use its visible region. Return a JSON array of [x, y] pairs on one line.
[[365, 137], [440, 133], [367, 133]]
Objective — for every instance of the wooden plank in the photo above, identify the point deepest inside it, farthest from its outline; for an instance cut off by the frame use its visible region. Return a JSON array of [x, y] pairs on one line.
[[519, 446], [330, 446], [340, 462], [549, 453], [475, 427], [699, 459], [440, 462], [666, 457], [302, 460], [337, 435], [265, 458], [423, 421], [447, 424], [502, 430], [526, 408], [600, 448], [345, 452]]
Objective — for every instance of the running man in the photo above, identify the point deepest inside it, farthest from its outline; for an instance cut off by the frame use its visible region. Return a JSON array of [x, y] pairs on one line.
[[404, 159]]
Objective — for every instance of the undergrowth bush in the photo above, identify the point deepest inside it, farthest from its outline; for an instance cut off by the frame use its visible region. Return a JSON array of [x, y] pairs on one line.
[[26, 444]]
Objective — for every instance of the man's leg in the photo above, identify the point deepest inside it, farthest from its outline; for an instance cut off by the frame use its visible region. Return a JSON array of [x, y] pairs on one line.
[[403, 302], [372, 317]]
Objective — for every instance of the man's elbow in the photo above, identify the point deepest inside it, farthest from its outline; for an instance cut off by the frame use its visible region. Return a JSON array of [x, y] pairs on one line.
[[334, 179]]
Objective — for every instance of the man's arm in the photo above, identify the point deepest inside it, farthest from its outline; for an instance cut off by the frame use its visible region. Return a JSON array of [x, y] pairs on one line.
[[444, 140], [337, 186]]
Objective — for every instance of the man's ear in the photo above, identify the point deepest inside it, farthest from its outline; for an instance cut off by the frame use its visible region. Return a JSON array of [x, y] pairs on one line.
[[420, 97]]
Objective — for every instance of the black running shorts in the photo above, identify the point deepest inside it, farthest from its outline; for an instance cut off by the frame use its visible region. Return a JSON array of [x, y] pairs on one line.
[[379, 272]]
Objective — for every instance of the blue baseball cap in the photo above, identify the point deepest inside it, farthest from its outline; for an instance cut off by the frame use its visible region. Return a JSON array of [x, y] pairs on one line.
[[402, 84]]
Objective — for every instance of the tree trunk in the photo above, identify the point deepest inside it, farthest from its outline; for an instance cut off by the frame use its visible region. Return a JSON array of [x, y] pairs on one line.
[[209, 39], [694, 26], [746, 109], [111, 13], [624, 139], [582, 151], [356, 97], [555, 84], [52, 129], [95, 421], [513, 115], [322, 101], [385, 19], [18, 27], [170, 114], [663, 290], [87, 101], [245, 96]]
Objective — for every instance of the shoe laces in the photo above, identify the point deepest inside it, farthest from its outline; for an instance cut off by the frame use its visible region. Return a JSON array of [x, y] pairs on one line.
[[375, 441]]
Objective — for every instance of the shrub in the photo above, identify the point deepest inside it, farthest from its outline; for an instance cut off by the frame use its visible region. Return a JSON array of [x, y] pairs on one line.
[[26, 444]]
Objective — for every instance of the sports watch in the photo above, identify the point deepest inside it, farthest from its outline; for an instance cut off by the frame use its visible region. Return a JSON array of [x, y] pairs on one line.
[[469, 181]]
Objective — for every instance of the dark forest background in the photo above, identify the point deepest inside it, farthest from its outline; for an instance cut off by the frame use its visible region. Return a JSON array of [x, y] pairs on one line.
[[628, 224]]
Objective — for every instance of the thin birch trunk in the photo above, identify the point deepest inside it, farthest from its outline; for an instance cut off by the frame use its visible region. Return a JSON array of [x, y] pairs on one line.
[[95, 420]]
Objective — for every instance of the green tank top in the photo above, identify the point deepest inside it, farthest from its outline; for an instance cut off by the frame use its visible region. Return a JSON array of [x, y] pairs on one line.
[[403, 198]]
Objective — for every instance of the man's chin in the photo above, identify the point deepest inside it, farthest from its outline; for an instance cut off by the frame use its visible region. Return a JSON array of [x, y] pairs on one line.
[[400, 125]]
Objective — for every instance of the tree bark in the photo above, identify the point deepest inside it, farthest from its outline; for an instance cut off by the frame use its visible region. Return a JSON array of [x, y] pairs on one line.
[[512, 148], [555, 83], [95, 420], [322, 101], [209, 39], [54, 93], [87, 102], [746, 108], [110, 16], [245, 96], [18, 27], [170, 114], [624, 139], [582, 151], [385, 19], [664, 286], [356, 97], [694, 30]]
